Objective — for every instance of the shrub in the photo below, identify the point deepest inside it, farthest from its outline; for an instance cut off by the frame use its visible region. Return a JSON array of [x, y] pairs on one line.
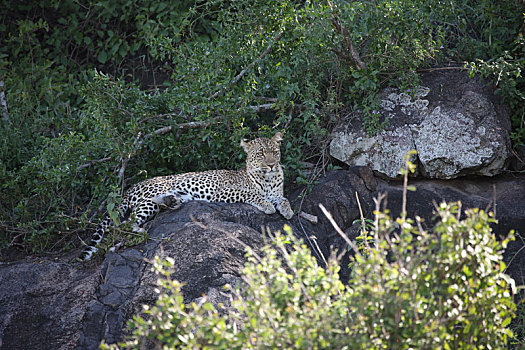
[[415, 289], [236, 69]]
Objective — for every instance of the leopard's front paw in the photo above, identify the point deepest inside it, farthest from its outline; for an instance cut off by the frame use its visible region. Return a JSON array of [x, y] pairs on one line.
[[168, 200], [285, 209], [269, 209]]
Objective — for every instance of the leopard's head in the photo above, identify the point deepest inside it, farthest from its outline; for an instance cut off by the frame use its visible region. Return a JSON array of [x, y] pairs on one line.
[[263, 154]]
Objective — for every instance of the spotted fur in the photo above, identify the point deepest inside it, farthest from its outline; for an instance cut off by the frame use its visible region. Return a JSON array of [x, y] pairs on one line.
[[259, 183]]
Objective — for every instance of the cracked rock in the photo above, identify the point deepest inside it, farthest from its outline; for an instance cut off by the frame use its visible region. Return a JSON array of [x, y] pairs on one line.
[[456, 124]]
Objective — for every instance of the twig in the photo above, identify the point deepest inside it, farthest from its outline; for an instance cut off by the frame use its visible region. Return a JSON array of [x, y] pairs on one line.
[[139, 141], [3, 102], [494, 199], [308, 217], [243, 72], [513, 257], [137, 144], [262, 107], [440, 68]]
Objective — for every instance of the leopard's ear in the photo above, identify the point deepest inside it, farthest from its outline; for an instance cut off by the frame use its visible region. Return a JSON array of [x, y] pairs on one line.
[[278, 137], [245, 145]]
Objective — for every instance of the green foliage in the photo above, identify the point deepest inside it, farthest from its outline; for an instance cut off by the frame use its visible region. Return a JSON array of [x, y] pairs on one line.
[[483, 29], [506, 73], [242, 69], [415, 289], [518, 327]]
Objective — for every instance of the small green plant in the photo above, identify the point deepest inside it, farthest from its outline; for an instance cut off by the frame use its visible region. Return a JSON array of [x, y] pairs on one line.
[[113, 204], [364, 240], [518, 327]]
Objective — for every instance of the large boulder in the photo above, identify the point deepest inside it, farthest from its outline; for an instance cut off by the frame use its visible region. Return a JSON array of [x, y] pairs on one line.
[[456, 124]]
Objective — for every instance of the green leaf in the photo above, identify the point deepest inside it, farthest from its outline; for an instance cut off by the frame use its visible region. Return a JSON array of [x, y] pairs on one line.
[[102, 56]]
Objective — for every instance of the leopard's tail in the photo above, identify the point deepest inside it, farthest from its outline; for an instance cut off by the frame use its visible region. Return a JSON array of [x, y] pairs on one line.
[[96, 238], [100, 231]]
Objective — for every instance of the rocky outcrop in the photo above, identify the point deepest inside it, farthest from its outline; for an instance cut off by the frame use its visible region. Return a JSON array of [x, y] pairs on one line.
[[54, 304], [455, 123]]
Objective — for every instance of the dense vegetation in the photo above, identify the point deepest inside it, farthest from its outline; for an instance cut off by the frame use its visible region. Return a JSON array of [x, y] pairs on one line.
[[101, 94]]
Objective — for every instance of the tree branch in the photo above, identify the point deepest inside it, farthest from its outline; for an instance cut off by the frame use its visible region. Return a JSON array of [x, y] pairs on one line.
[[348, 44], [93, 162], [3, 102], [183, 126], [250, 66], [139, 141]]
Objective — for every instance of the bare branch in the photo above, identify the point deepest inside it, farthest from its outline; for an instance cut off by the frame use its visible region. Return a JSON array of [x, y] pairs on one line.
[[183, 126], [338, 230], [262, 107], [267, 106], [137, 144]]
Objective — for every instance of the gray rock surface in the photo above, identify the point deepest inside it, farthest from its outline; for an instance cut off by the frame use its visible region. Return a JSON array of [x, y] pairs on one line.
[[384, 152], [50, 303], [43, 303], [455, 123]]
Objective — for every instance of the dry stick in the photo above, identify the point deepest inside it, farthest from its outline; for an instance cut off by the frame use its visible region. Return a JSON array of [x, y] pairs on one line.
[[440, 68], [183, 126], [517, 253], [377, 202], [494, 199], [262, 107], [136, 145], [3, 103], [261, 56], [363, 225], [308, 217], [139, 140]]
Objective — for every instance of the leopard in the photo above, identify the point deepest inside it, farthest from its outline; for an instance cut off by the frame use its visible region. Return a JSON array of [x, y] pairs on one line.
[[259, 183]]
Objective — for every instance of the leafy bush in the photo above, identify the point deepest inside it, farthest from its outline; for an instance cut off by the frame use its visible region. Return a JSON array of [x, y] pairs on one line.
[[221, 71], [415, 289]]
